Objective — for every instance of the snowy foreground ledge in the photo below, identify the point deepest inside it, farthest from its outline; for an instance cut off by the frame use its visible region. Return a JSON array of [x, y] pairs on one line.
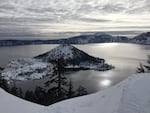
[[130, 96], [12, 104]]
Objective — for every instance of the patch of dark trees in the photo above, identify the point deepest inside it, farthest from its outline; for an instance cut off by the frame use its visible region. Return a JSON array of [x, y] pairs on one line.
[[144, 68]]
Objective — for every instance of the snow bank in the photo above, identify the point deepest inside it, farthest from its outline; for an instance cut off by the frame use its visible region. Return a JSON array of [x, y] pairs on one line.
[[12, 104], [130, 96]]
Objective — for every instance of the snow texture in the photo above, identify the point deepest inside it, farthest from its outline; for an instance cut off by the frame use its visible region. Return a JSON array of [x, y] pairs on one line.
[[64, 51], [130, 96], [26, 69], [143, 38], [12, 104]]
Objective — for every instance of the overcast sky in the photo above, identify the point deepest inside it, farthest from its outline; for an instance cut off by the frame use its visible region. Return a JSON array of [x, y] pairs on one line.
[[39, 18]]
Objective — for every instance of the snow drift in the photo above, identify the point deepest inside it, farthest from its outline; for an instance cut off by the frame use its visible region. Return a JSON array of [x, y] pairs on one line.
[[130, 96], [12, 104]]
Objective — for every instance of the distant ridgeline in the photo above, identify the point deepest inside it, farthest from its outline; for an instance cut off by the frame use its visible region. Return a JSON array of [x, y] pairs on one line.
[[143, 38]]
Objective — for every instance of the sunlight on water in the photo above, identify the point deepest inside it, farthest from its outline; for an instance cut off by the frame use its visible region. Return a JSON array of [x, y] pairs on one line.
[[108, 44], [107, 74], [105, 82]]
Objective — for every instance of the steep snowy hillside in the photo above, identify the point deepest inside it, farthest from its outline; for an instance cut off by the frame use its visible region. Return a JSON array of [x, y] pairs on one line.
[[64, 51], [12, 104], [74, 58], [26, 69], [143, 38], [130, 96]]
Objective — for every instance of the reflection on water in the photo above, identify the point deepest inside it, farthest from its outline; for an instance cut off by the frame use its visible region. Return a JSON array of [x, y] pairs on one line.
[[105, 82], [125, 58]]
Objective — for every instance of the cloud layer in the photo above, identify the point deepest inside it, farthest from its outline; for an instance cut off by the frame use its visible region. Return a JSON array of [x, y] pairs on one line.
[[35, 17]]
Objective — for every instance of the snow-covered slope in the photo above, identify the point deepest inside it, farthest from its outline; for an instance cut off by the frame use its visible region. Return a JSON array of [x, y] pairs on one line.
[[12, 104], [130, 96], [143, 38], [26, 69], [64, 51], [74, 58]]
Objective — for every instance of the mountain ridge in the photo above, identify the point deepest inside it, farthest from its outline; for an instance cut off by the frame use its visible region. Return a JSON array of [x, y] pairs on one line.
[[83, 39]]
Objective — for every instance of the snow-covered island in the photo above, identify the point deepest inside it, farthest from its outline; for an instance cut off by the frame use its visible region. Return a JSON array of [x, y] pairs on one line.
[[75, 58], [41, 66], [130, 96]]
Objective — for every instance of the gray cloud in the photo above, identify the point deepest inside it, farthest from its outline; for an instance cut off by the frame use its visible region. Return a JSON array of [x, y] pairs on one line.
[[93, 20], [35, 17], [70, 7]]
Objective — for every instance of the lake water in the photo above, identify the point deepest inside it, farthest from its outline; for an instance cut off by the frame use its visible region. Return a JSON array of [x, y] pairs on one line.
[[125, 57]]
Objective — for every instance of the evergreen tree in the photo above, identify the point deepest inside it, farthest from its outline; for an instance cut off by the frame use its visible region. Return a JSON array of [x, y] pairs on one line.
[[144, 68], [140, 69], [14, 91], [3, 84], [29, 95], [81, 91], [20, 93], [71, 93], [59, 79], [40, 95], [51, 96]]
